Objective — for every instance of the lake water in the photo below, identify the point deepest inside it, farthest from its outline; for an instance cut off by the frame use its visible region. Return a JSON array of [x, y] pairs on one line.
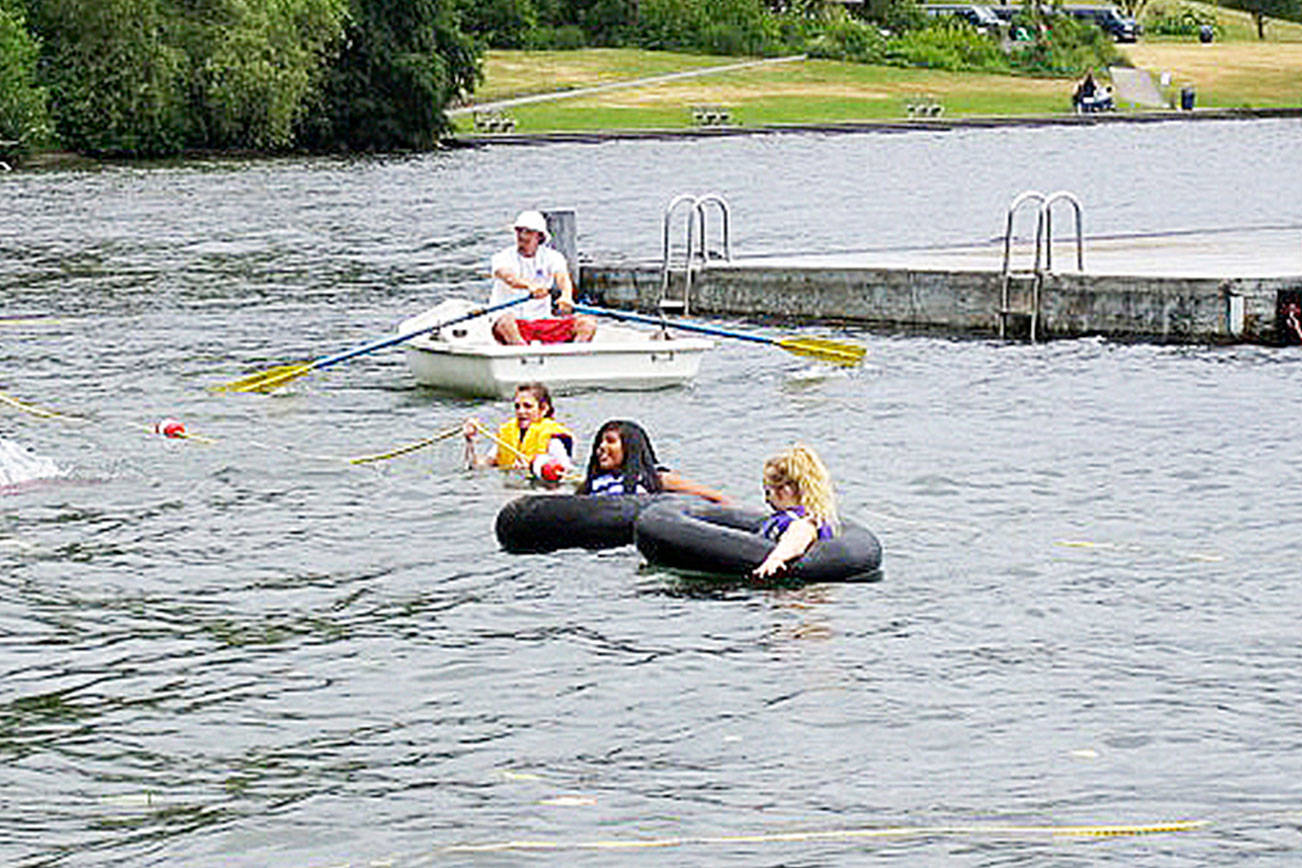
[[247, 652]]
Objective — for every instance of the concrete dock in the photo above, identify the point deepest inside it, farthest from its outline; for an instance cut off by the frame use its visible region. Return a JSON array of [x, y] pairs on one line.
[[1222, 286]]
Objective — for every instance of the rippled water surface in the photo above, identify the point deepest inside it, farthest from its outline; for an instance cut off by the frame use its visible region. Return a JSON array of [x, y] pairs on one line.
[[243, 652]]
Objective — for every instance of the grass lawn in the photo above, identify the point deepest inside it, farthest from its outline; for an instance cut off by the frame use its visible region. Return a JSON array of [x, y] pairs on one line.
[[1229, 74], [807, 92], [1238, 71], [520, 73]]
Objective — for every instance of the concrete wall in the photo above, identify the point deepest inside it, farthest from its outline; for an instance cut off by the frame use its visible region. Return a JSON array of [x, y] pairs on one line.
[[1072, 305]]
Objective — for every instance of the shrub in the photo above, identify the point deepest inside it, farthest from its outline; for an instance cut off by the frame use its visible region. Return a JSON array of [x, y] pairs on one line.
[[402, 62], [850, 40], [564, 38], [500, 23], [24, 120], [896, 16], [947, 44], [715, 26], [1181, 21], [255, 67], [609, 22], [115, 85], [1063, 46]]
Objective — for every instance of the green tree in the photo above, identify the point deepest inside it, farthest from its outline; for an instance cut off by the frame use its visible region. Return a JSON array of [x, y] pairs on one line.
[[116, 86], [402, 63], [896, 16], [719, 26], [500, 23], [23, 117], [609, 22], [1260, 10], [606, 22], [255, 66]]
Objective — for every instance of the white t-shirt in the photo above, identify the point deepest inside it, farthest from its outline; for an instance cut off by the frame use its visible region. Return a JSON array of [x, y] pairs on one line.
[[543, 266]]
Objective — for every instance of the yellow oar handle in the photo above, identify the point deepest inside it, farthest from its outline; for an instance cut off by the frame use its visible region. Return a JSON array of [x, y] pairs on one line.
[[837, 352], [274, 377]]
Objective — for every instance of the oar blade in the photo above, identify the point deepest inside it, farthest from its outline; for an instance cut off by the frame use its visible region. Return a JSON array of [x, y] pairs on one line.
[[824, 349], [266, 380]]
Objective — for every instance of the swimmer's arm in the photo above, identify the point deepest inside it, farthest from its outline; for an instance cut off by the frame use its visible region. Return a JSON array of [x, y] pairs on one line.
[[673, 482], [557, 452], [474, 460], [793, 543]]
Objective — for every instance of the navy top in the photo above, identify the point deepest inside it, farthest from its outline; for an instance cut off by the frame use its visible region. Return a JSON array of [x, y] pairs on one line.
[[776, 524], [604, 484], [607, 484]]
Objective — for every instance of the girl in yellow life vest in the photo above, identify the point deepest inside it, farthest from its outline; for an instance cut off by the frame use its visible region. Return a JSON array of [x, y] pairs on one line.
[[532, 438]]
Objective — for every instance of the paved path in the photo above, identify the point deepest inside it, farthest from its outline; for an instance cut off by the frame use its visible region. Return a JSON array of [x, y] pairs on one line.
[[618, 85]]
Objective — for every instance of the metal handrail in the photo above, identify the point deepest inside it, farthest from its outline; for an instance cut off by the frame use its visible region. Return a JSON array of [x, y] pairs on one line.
[[697, 224], [1018, 201], [1043, 250], [725, 221], [1046, 210], [683, 198]]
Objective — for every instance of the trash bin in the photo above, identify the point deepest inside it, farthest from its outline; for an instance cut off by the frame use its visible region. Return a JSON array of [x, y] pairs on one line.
[[1187, 99], [1206, 33]]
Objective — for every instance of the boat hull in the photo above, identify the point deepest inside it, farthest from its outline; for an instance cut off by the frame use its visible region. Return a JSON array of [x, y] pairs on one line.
[[467, 361]]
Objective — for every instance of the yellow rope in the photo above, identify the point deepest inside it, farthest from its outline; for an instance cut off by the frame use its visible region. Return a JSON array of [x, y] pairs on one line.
[[995, 831], [32, 408], [42, 413], [30, 320], [410, 447]]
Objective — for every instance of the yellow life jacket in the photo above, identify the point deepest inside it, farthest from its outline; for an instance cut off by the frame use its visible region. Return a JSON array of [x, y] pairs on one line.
[[534, 443]]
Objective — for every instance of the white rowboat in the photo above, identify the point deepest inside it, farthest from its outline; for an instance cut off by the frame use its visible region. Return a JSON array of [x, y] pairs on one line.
[[464, 357]]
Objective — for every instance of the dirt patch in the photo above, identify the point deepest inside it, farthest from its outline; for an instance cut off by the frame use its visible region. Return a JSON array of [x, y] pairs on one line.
[[732, 94], [687, 93]]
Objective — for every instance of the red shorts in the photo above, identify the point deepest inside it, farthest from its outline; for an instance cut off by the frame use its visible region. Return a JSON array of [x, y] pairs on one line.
[[546, 331]]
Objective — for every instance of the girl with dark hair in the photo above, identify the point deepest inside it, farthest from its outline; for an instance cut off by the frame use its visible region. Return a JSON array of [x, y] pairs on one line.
[[624, 462]]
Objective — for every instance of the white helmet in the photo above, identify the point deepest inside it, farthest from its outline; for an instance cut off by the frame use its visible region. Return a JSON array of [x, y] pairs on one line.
[[532, 220]]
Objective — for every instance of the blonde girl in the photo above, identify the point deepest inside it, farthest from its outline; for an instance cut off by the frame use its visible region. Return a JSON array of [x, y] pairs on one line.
[[799, 489]]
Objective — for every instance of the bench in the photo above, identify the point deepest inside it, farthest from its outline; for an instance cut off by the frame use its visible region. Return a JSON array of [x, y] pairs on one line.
[[711, 115], [493, 122], [924, 107]]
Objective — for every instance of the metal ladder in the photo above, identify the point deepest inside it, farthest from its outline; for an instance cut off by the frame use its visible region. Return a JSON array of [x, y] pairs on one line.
[[697, 225], [1033, 281]]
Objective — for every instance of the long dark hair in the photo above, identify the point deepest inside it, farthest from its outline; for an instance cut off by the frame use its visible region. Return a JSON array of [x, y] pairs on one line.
[[639, 458]]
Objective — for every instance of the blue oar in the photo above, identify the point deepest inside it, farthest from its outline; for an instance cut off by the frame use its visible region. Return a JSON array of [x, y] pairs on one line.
[[837, 352], [278, 376]]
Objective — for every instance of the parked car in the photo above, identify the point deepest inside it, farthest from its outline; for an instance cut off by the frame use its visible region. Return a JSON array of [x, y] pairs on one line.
[[980, 17], [1109, 19]]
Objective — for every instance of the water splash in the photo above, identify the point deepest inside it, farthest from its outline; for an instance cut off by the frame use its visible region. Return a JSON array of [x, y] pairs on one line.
[[19, 464]]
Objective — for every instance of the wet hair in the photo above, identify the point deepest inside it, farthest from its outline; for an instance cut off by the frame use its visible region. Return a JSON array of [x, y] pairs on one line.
[[540, 394], [639, 468], [800, 467]]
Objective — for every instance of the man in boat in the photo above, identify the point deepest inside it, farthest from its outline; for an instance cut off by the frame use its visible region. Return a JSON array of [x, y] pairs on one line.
[[527, 267]]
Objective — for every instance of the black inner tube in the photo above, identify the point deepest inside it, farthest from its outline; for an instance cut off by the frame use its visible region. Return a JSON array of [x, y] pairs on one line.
[[547, 522], [725, 541]]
